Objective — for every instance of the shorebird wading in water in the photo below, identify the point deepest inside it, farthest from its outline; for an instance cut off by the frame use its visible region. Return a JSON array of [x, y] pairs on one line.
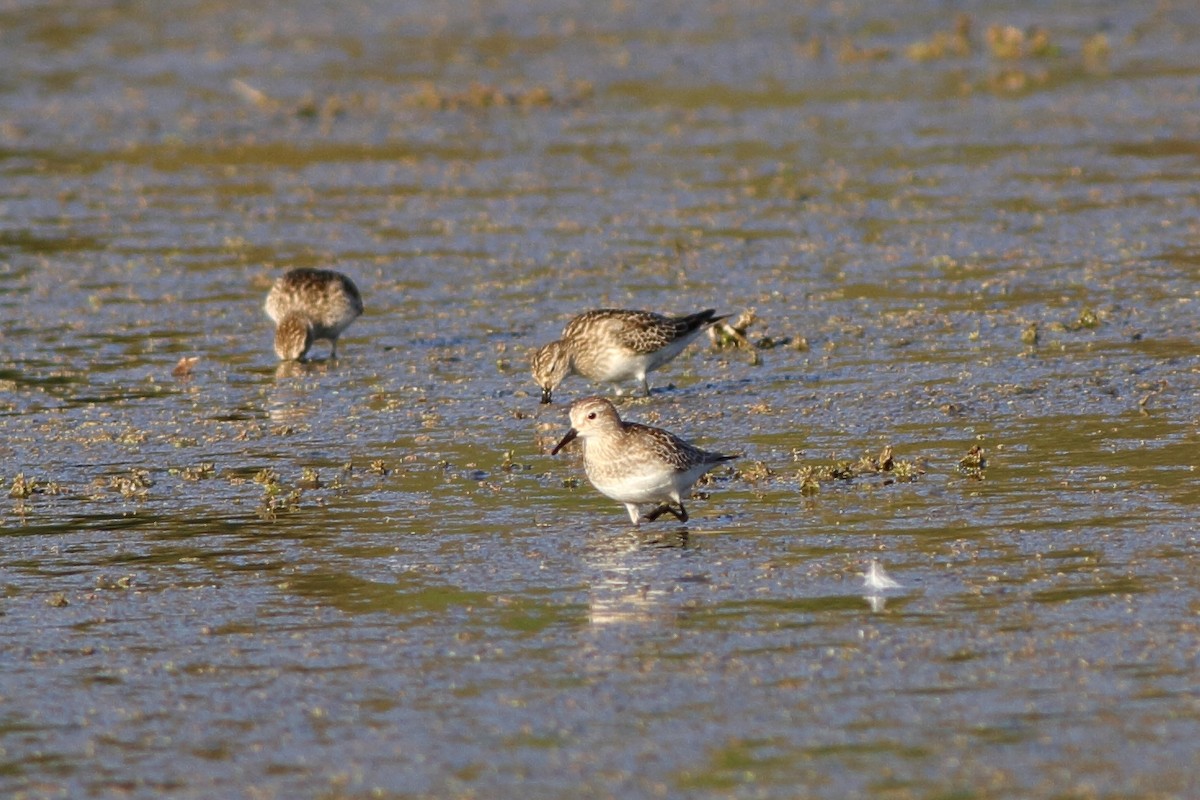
[[634, 463], [610, 345], [311, 304]]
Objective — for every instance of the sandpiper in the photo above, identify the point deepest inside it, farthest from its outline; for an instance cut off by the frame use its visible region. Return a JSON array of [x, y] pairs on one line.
[[311, 304], [611, 345], [634, 463]]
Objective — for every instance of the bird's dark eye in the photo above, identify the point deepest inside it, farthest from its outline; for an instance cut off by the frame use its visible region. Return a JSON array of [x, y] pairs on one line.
[[592, 415]]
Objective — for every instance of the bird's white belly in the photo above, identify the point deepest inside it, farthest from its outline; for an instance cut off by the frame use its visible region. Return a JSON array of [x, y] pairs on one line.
[[617, 366], [650, 486]]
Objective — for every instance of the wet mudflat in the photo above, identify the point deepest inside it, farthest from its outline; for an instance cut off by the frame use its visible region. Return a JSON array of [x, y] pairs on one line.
[[368, 579]]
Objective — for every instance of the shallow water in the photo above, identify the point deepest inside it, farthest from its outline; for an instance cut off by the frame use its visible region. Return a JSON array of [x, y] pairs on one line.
[[368, 578]]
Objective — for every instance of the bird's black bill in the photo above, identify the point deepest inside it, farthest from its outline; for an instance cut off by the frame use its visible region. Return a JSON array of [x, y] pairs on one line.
[[545, 396], [571, 434]]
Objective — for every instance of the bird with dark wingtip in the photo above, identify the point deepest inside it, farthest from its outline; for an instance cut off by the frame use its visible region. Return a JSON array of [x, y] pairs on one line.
[[635, 464], [610, 345]]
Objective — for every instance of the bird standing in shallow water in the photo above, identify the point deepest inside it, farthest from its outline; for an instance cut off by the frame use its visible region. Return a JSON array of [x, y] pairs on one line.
[[634, 463], [611, 345], [311, 304]]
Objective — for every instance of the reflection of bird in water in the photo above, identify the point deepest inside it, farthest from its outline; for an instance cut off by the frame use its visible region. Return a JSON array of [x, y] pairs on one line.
[[877, 578], [629, 582], [292, 401], [611, 345], [634, 463], [297, 369], [311, 304], [875, 581]]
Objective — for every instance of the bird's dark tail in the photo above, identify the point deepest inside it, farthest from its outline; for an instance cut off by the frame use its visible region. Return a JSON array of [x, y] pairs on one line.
[[701, 319]]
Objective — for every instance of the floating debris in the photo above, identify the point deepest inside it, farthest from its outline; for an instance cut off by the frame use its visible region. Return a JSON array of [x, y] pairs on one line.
[[851, 53], [884, 463], [309, 479], [1154, 390], [326, 109], [727, 334], [343, 476], [809, 485], [1029, 335], [1087, 319], [274, 501], [891, 469], [906, 471], [973, 463], [510, 464], [23, 487], [751, 472], [876, 578], [252, 95], [1009, 43], [1014, 80], [481, 95], [875, 582], [134, 485], [104, 582], [955, 43], [277, 497], [184, 368], [267, 477], [205, 469]]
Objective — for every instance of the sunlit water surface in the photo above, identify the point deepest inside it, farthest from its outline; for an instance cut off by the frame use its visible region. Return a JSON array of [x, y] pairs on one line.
[[368, 578]]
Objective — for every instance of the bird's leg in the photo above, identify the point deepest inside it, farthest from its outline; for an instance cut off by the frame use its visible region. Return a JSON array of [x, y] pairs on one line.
[[681, 515], [634, 514], [645, 385], [658, 512]]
